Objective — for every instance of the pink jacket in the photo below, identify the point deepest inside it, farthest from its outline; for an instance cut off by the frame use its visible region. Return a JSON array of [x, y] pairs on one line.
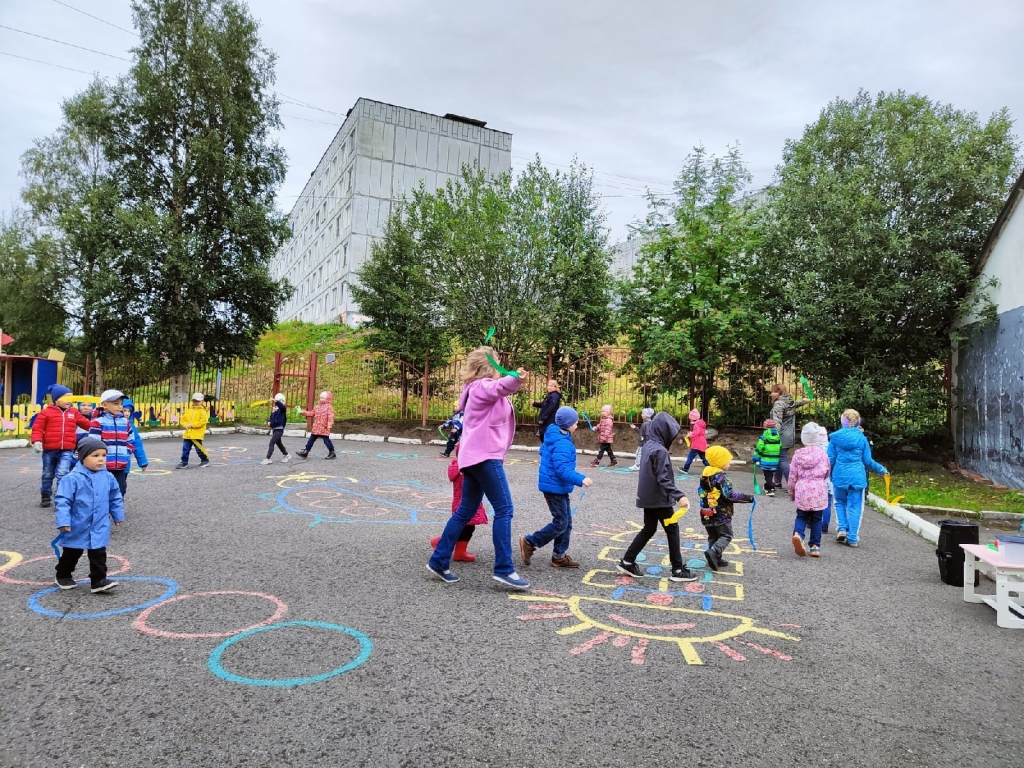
[[488, 424], [605, 429], [323, 416], [480, 518], [698, 435], [808, 478]]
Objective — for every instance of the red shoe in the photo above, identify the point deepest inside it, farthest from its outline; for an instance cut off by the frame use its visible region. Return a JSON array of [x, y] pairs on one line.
[[461, 555], [434, 542]]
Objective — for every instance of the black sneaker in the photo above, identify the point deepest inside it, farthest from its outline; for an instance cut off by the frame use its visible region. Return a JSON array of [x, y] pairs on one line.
[[302, 454], [183, 465], [332, 455], [772, 493], [204, 464], [103, 586], [712, 558], [45, 501], [683, 574], [841, 537], [65, 582], [630, 569], [722, 561]]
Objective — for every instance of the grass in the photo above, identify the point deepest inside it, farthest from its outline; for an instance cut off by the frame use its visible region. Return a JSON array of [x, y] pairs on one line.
[[934, 486], [296, 336]]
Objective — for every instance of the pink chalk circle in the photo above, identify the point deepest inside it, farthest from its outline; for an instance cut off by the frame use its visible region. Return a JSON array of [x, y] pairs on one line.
[[125, 565], [660, 598], [142, 626], [694, 588]]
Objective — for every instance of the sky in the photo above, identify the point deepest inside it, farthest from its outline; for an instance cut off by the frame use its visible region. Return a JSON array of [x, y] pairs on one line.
[[628, 88]]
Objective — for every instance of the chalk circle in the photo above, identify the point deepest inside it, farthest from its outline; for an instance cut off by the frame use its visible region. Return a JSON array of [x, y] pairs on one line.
[[142, 618], [125, 565], [172, 588], [365, 648], [151, 472], [13, 558]]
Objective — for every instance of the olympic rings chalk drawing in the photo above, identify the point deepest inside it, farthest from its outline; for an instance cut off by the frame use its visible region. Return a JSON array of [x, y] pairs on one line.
[[142, 618], [125, 565], [214, 663], [172, 588]]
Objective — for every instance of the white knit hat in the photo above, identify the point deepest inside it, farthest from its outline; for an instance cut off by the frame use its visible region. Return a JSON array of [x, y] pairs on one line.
[[810, 434], [279, 397]]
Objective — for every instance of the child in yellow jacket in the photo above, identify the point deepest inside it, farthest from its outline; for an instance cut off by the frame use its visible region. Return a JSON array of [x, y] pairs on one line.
[[193, 421]]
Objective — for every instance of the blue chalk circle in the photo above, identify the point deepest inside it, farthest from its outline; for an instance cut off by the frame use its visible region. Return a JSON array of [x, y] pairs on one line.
[[365, 648], [653, 570], [172, 588]]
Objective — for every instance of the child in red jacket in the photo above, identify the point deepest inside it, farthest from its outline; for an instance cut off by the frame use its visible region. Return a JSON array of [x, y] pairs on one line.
[[480, 518], [53, 435], [605, 434], [698, 440]]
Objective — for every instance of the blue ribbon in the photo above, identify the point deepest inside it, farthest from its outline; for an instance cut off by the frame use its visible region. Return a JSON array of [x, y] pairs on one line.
[[54, 543], [579, 501], [750, 525], [588, 421]]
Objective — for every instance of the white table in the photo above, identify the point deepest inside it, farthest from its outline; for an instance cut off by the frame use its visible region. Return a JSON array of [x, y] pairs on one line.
[[1009, 578]]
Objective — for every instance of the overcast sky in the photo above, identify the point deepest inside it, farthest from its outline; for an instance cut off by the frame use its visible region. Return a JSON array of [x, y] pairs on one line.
[[628, 87]]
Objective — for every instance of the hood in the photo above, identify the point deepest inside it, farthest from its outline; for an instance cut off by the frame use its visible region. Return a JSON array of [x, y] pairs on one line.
[[771, 435], [847, 437], [326, 397], [664, 429]]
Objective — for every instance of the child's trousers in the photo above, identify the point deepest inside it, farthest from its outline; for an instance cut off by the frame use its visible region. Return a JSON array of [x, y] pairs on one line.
[[56, 464], [453, 438], [186, 448], [560, 527], [651, 519], [771, 479], [693, 454], [97, 564], [312, 441], [719, 536], [826, 515], [636, 460], [275, 441], [605, 447], [805, 518], [849, 512]]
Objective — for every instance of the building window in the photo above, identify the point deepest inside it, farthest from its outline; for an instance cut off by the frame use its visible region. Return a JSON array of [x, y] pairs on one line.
[[344, 263]]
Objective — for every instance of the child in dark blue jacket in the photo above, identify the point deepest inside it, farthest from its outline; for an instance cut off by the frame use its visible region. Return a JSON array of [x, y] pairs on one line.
[[278, 420], [556, 480]]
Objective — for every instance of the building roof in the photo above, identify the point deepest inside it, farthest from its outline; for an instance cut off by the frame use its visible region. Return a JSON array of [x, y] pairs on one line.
[[1016, 193]]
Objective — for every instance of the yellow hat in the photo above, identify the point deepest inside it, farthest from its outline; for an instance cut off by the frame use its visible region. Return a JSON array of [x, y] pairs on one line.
[[718, 456]]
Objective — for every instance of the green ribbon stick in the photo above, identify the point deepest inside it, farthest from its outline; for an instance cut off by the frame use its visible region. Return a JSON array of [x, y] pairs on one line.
[[504, 372], [807, 388], [489, 336]]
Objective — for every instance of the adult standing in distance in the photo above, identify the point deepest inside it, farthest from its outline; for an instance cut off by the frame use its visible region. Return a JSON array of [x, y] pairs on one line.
[[784, 409], [548, 408]]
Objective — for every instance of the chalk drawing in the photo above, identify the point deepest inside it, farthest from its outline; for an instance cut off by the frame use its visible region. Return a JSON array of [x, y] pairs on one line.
[[125, 565], [299, 477], [13, 558], [172, 588], [215, 666], [140, 621], [331, 502]]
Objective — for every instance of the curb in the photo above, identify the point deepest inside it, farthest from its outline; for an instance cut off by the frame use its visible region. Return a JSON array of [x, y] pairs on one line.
[[985, 514], [920, 526]]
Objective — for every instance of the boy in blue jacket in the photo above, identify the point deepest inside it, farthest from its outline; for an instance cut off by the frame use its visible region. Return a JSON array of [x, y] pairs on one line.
[[87, 498], [278, 421], [556, 480]]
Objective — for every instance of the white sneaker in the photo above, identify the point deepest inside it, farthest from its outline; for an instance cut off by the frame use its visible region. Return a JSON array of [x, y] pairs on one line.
[[285, 459], [267, 461]]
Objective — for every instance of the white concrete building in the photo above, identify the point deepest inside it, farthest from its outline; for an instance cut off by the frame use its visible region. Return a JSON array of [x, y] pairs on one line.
[[381, 153]]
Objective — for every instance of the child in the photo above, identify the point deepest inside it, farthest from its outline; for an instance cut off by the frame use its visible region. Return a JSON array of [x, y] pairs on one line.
[[455, 423], [555, 480], [641, 437], [277, 422], [480, 518], [323, 420], [135, 439], [86, 500], [826, 516], [490, 425], [548, 408], [193, 421], [808, 487], [698, 440], [87, 410], [53, 435], [716, 500], [605, 434], [767, 453], [849, 453], [110, 425], [657, 494]]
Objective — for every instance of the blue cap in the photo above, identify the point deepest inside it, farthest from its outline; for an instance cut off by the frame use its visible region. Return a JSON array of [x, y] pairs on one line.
[[57, 391], [565, 417]]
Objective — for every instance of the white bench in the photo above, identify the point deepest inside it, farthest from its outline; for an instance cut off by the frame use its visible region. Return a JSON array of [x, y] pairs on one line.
[[1009, 579]]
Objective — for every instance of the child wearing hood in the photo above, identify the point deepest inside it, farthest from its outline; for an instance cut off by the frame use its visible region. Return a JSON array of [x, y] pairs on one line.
[[278, 421], [110, 425], [461, 553], [657, 495], [698, 436], [808, 488], [605, 434], [135, 438], [87, 498], [54, 436], [849, 453], [716, 500], [323, 420], [642, 432], [766, 455], [556, 479]]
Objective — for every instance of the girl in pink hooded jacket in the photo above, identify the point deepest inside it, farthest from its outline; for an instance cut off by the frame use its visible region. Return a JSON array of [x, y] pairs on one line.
[[323, 420], [698, 438], [808, 487], [605, 434], [488, 426]]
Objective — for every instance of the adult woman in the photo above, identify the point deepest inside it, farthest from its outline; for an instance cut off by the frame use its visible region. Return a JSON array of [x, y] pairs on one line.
[[488, 426], [784, 409], [548, 407]]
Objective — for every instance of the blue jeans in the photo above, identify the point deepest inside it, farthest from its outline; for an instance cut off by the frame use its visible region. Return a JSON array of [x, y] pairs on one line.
[[811, 518], [312, 441], [56, 464], [849, 512], [560, 527], [826, 515], [484, 479], [186, 448], [693, 454]]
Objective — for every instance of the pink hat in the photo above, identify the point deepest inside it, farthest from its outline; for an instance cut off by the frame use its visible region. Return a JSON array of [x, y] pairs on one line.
[[694, 415], [768, 423]]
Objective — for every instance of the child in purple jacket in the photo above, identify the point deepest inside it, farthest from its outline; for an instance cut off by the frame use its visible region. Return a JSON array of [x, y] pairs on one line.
[[808, 487]]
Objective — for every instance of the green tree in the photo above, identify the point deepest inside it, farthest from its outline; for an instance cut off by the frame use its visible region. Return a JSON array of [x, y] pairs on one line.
[[688, 307], [869, 240]]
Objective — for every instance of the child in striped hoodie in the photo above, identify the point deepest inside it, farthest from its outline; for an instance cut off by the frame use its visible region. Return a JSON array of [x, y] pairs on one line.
[[110, 425]]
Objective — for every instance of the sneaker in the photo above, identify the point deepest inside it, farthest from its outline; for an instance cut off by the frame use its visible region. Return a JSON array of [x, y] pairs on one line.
[[446, 576], [634, 468], [513, 580], [45, 500], [595, 463], [771, 493], [183, 465], [853, 544], [267, 461], [824, 530], [526, 549], [332, 455], [564, 562], [798, 545], [285, 459], [204, 464], [712, 558], [444, 454], [841, 537], [683, 574], [103, 586], [303, 454], [815, 550], [614, 463], [630, 569], [65, 582]]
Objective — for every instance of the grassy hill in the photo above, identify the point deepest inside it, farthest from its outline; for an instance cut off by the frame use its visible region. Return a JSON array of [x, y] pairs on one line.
[[296, 336]]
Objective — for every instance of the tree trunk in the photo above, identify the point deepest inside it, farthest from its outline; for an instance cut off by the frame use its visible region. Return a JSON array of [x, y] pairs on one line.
[[99, 375]]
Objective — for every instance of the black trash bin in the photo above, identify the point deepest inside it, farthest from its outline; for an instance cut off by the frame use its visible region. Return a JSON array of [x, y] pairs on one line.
[[953, 533]]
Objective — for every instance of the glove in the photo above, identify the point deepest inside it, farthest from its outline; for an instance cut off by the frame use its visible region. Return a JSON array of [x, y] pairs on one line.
[[37, 447]]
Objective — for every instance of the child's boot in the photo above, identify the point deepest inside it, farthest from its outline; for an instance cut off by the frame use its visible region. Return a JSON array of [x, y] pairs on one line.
[[615, 462], [303, 453], [461, 555], [332, 455], [434, 542], [45, 501], [595, 463]]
